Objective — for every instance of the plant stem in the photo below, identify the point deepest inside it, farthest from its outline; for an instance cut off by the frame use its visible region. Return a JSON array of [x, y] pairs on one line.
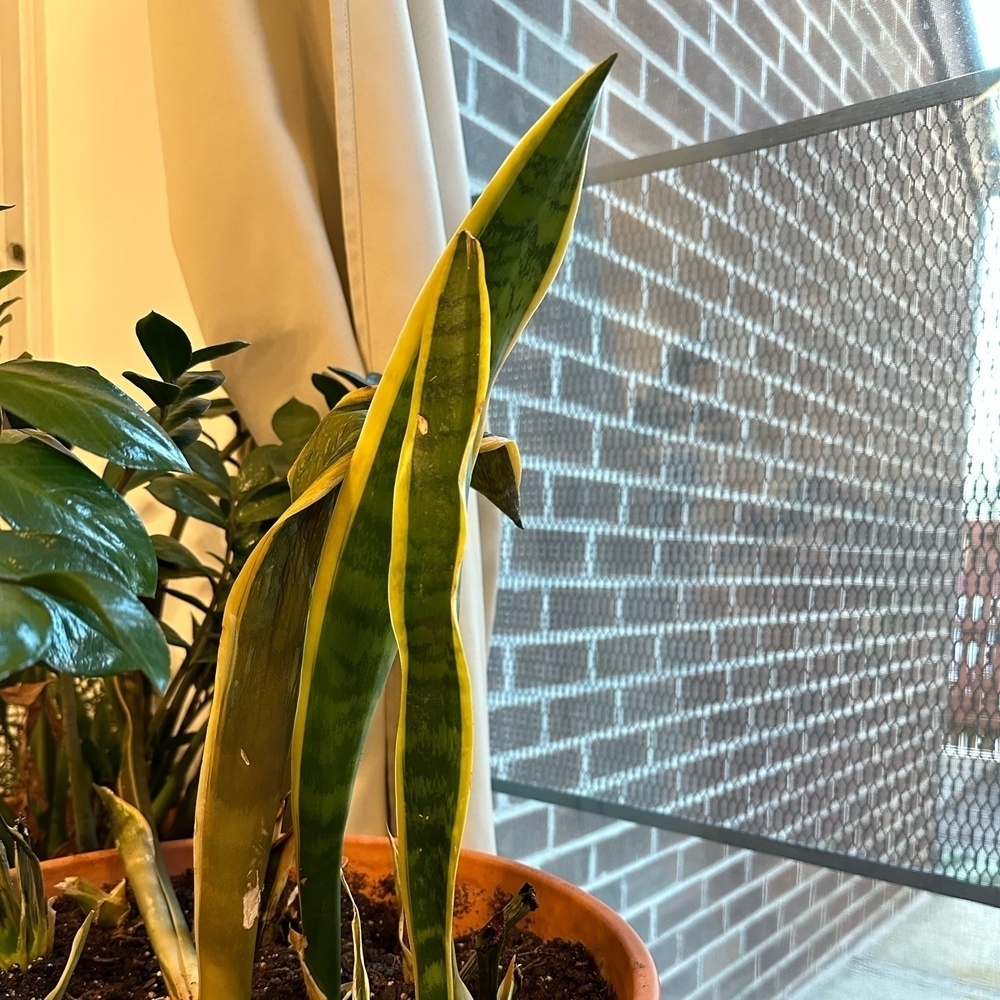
[[79, 773]]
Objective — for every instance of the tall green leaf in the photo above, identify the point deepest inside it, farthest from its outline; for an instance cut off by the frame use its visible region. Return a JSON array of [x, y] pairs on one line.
[[434, 746], [523, 221], [43, 489], [249, 733], [80, 406], [165, 344]]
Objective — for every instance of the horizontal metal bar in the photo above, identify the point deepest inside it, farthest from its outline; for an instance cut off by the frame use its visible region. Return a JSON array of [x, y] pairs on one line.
[[943, 885], [956, 89]]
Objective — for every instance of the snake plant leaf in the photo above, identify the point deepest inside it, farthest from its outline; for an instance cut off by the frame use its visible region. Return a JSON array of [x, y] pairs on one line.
[[108, 908], [80, 406], [154, 894], [497, 475], [510, 988], [523, 221], [251, 721], [44, 489], [25, 629], [187, 498], [335, 436], [165, 344], [360, 987], [214, 351], [429, 526], [266, 506], [76, 950], [35, 919]]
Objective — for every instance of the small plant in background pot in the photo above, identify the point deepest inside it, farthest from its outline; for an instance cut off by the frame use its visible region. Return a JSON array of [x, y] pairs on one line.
[[361, 561]]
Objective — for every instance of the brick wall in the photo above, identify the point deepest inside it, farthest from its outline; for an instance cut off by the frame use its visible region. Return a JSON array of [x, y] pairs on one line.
[[721, 566]]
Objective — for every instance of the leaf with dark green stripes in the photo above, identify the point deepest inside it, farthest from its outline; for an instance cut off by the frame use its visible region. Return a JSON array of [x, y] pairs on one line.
[[80, 406], [45, 489], [336, 435], [434, 742], [497, 475], [523, 221], [249, 733]]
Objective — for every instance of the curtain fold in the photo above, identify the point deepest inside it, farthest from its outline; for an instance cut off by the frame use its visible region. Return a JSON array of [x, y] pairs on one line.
[[315, 170]]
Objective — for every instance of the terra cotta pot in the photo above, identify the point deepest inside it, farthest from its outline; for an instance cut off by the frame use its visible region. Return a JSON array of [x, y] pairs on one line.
[[564, 910]]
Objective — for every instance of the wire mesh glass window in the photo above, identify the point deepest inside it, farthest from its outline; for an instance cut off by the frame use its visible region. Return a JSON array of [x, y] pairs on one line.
[[760, 421]]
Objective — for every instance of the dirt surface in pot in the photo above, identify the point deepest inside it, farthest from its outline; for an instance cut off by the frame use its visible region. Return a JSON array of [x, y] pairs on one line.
[[120, 965]]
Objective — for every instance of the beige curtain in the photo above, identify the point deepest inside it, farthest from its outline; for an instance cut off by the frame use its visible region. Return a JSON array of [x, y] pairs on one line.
[[315, 169]]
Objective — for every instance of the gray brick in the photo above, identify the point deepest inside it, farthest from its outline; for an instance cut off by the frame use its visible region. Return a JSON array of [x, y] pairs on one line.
[[630, 350], [658, 408], [552, 435], [585, 713], [649, 604], [624, 556], [518, 610], [597, 40], [617, 754], [649, 25], [573, 866], [675, 104], [628, 450], [547, 68], [515, 726], [561, 766], [755, 24], [503, 101], [546, 551], [563, 323], [710, 78], [523, 834], [654, 508], [484, 150], [461, 62], [623, 654], [542, 665], [494, 30], [607, 281], [576, 497], [582, 607], [528, 372], [592, 388], [699, 933]]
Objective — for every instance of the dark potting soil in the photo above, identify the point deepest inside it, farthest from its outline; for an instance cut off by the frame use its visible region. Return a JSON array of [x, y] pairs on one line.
[[120, 965]]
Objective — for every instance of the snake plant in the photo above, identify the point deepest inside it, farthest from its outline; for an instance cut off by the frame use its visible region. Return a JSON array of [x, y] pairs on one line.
[[366, 563]]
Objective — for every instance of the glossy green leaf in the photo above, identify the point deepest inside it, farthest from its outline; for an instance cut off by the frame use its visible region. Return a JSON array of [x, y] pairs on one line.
[[24, 554], [434, 741], [44, 489], [80, 406], [161, 393], [214, 351], [25, 629], [336, 436], [112, 611], [199, 383], [165, 344], [205, 462], [186, 434], [523, 221], [174, 553], [184, 412], [497, 475], [294, 422], [186, 498], [154, 894], [76, 645]]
